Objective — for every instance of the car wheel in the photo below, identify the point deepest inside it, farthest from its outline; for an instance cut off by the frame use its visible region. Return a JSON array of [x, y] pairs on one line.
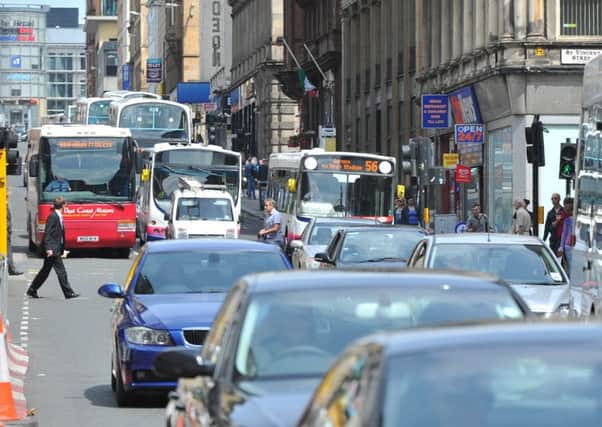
[[143, 236], [113, 380], [122, 396]]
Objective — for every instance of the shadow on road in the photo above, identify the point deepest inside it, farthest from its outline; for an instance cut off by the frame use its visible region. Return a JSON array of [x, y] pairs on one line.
[[102, 395]]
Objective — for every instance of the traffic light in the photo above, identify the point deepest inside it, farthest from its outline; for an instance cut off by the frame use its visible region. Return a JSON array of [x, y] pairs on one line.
[[535, 144], [210, 120], [568, 154], [408, 158]]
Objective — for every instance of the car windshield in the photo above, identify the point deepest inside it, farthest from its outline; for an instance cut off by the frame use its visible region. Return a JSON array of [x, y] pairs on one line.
[[524, 264], [321, 233], [197, 271], [204, 209], [495, 385], [299, 333], [386, 244]]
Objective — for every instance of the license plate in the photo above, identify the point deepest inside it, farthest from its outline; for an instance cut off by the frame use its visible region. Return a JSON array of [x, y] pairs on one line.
[[87, 238]]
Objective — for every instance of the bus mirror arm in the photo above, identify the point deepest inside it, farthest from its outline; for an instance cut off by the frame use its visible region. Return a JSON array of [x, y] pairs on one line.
[[33, 166]]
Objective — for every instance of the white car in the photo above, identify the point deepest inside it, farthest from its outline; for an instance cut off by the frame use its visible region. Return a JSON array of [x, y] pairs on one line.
[[202, 211], [316, 237]]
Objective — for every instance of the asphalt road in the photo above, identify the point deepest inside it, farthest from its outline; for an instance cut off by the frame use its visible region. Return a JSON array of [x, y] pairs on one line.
[[68, 381]]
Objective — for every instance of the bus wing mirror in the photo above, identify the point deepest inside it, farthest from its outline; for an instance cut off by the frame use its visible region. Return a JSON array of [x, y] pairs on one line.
[[139, 163], [33, 166], [145, 175], [292, 185]]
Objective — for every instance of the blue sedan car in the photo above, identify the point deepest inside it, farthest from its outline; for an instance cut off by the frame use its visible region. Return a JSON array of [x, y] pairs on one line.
[[170, 297]]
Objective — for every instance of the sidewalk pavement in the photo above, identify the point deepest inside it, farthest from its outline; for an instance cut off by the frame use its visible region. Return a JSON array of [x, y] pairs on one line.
[[251, 207]]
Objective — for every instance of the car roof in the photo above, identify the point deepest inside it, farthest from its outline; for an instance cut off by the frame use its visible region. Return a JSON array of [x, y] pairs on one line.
[[299, 280], [344, 220], [475, 238], [209, 244], [517, 334], [381, 227]]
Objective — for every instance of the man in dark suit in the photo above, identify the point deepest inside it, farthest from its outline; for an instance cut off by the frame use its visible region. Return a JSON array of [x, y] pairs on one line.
[[54, 245]]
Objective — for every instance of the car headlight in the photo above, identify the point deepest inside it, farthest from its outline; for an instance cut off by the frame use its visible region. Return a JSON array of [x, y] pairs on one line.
[[147, 336]]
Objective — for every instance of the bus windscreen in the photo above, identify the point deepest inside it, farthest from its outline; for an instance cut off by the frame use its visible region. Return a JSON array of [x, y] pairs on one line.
[[87, 169]]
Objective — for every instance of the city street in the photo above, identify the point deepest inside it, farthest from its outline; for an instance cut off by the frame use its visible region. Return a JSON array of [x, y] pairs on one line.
[[68, 381]]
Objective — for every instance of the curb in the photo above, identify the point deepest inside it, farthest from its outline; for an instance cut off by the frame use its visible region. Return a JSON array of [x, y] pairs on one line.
[[20, 423]]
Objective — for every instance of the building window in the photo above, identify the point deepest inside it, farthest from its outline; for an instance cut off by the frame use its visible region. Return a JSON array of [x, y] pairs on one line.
[[15, 92], [111, 64], [109, 8], [580, 18], [500, 179]]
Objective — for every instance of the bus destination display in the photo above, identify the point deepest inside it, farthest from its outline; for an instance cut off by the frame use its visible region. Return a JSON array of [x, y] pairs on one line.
[[349, 164], [84, 144]]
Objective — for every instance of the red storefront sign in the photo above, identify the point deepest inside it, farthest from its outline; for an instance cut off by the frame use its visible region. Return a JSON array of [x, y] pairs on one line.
[[463, 174]]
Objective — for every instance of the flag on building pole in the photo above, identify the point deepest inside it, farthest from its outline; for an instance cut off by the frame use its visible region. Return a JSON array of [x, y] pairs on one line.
[[308, 88]]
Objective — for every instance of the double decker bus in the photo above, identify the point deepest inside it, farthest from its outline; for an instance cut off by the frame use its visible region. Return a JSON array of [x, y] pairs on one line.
[[92, 111], [93, 169], [312, 183], [586, 263], [152, 120], [165, 164]]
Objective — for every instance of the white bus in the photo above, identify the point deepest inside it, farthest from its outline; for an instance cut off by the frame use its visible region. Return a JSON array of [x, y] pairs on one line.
[[92, 111], [129, 94], [586, 264], [164, 164], [314, 182], [152, 120]]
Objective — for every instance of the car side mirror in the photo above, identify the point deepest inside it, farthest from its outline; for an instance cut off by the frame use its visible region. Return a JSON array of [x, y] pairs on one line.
[[111, 290], [296, 244], [181, 363], [323, 257], [33, 166]]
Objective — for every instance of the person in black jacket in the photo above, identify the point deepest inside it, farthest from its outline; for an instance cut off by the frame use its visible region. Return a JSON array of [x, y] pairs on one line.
[[553, 225], [54, 245]]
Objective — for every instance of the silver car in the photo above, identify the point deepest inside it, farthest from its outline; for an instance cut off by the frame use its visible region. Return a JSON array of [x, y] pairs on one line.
[[316, 237], [525, 262]]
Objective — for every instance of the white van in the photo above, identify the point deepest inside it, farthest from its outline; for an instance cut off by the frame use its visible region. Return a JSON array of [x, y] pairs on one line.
[[201, 211]]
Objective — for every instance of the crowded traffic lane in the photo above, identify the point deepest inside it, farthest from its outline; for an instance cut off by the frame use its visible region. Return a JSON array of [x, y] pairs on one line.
[[68, 341]]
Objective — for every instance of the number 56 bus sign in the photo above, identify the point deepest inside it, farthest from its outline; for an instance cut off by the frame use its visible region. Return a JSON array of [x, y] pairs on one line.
[[473, 133]]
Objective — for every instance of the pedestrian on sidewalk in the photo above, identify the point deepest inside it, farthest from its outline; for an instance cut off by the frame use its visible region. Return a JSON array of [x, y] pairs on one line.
[[477, 222], [521, 220], [400, 203], [272, 224], [262, 182], [12, 269], [567, 238], [410, 214], [54, 245], [250, 175], [553, 225]]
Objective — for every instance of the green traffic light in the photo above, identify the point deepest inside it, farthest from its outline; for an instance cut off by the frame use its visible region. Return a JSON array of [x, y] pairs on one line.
[[567, 170]]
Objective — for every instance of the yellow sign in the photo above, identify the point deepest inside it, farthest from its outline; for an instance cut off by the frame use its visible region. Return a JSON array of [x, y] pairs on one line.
[[401, 191], [145, 175], [330, 144], [292, 185], [450, 160], [540, 51]]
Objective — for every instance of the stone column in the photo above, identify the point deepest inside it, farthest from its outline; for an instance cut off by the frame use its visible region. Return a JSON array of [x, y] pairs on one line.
[[480, 24], [445, 36], [520, 19], [435, 30], [467, 28], [492, 33], [507, 15], [457, 29], [535, 27]]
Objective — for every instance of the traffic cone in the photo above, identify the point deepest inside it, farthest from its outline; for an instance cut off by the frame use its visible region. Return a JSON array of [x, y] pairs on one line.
[[8, 410]]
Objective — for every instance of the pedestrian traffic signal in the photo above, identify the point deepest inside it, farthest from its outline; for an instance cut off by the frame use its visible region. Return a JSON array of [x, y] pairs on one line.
[[568, 155], [210, 122], [535, 144]]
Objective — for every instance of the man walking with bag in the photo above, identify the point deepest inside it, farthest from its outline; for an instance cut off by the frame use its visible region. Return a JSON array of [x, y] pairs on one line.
[[54, 246]]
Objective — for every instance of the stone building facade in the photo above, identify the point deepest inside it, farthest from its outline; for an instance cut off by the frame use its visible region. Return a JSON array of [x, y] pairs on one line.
[[263, 117], [501, 62]]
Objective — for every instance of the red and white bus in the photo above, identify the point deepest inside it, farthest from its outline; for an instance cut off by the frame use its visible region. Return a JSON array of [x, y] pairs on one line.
[[93, 168], [311, 183]]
